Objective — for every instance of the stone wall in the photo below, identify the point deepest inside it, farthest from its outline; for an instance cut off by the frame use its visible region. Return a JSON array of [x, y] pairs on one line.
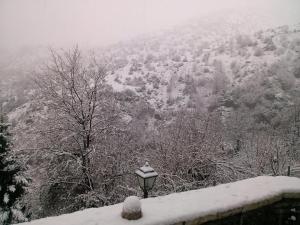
[[284, 212], [256, 201]]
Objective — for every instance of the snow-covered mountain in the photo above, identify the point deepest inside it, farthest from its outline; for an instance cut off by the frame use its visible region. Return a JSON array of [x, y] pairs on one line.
[[201, 64], [233, 63], [198, 64]]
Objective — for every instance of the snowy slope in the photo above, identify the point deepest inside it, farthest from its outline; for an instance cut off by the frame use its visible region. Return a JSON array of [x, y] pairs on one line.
[[180, 68], [206, 204], [177, 68]]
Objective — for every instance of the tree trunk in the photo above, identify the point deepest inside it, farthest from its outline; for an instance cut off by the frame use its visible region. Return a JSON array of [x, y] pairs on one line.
[[86, 165]]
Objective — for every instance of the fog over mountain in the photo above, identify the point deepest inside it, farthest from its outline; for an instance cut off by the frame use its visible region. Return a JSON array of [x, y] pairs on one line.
[[92, 23]]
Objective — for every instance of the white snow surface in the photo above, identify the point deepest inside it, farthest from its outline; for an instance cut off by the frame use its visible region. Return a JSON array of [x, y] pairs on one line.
[[6, 198], [132, 204], [186, 206]]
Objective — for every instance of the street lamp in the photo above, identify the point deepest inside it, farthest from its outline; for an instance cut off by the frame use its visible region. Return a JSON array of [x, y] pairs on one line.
[[146, 178]]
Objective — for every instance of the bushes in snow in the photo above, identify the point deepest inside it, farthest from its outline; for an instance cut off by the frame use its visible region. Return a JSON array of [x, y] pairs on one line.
[[258, 52], [12, 181], [297, 72], [136, 81], [283, 76], [269, 44], [244, 41]]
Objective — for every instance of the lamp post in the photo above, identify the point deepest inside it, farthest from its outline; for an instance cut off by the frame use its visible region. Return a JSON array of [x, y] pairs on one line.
[[146, 178]]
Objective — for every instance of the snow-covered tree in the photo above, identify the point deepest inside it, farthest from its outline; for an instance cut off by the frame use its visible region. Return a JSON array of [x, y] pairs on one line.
[[81, 114], [12, 182]]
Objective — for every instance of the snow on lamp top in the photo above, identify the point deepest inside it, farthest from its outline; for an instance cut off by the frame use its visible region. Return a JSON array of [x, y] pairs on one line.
[[146, 171]]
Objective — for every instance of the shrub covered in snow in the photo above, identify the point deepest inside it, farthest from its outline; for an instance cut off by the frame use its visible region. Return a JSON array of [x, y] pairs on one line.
[[258, 52], [12, 183], [244, 41], [297, 72]]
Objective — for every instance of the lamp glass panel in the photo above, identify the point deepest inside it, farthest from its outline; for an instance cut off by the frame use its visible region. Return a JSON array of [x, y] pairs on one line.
[[141, 182], [149, 183]]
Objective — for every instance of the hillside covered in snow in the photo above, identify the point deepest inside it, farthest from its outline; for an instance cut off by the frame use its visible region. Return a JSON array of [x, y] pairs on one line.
[[212, 101], [206, 64]]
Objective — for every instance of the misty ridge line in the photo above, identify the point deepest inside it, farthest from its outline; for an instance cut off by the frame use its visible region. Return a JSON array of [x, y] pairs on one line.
[[92, 23]]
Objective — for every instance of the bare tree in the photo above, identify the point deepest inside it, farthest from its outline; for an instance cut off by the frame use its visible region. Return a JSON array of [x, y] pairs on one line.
[[79, 107]]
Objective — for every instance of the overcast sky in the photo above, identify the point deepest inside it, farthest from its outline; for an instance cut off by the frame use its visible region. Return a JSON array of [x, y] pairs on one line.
[[98, 22]]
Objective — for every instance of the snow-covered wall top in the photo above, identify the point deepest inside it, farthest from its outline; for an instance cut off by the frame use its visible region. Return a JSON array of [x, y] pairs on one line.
[[201, 205]]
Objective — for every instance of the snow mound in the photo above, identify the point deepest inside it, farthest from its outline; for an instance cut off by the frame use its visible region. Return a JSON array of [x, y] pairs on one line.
[[207, 204], [132, 204]]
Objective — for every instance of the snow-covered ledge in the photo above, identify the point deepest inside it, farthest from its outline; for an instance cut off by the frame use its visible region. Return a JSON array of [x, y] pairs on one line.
[[191, 207]]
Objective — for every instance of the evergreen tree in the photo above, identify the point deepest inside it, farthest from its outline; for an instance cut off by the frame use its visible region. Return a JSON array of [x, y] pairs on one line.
[[12, 182]]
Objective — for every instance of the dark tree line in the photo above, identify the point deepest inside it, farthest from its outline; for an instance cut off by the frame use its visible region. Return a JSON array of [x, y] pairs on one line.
[[12, 180]]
